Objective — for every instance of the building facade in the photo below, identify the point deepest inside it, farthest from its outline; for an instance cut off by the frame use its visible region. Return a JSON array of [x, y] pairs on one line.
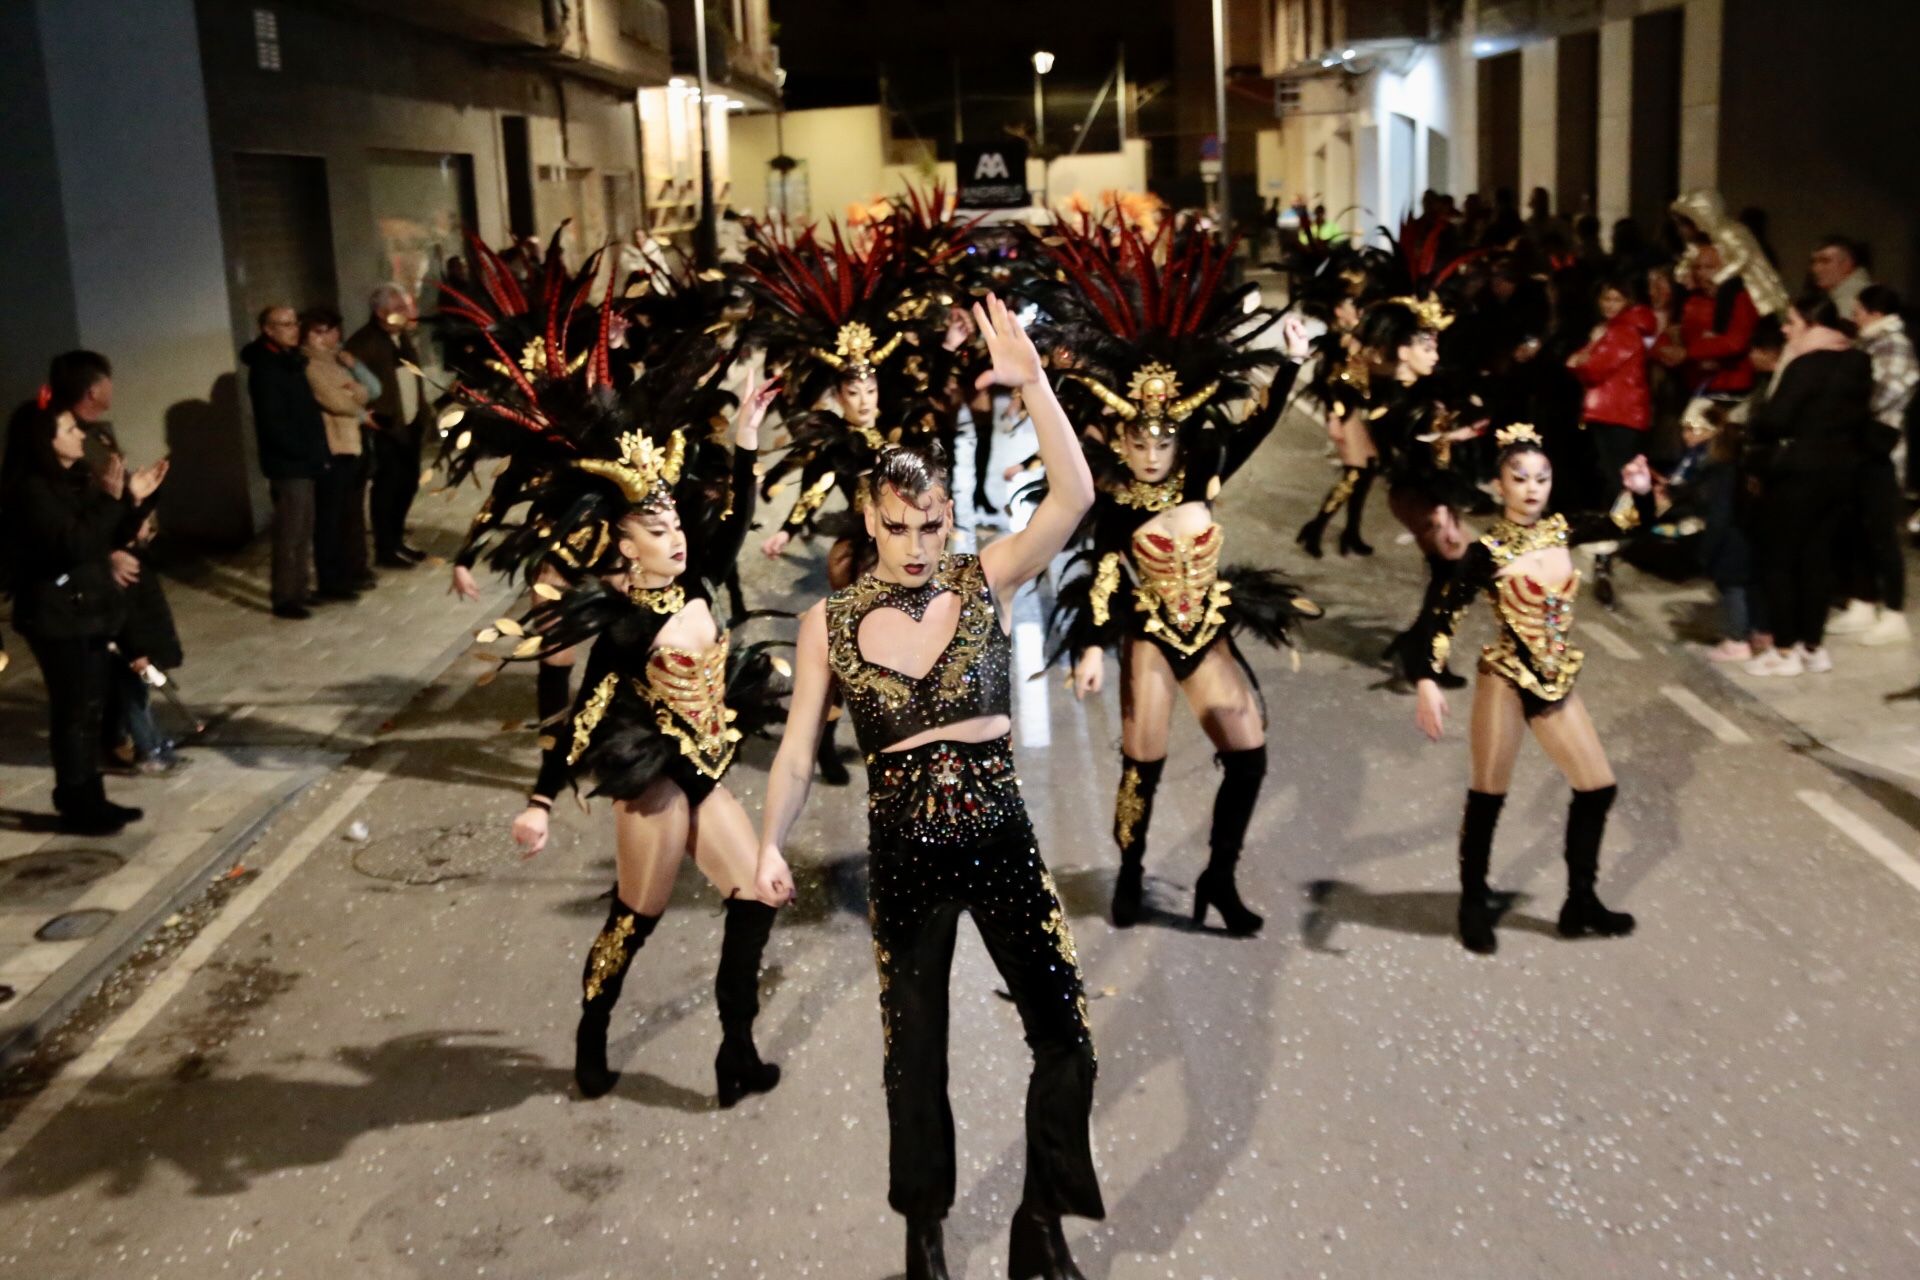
[[1612, 106], [181, 164]]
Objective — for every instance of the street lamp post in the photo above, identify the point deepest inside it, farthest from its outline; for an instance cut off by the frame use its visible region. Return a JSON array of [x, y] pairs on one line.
[[703, 235], [1042, 63]]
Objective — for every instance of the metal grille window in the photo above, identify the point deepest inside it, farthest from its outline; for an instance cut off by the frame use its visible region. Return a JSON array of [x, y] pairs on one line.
[[266, 40]]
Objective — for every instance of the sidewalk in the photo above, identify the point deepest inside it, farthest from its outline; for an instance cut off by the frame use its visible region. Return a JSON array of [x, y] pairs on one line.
[[286, 703], [1862, 718]]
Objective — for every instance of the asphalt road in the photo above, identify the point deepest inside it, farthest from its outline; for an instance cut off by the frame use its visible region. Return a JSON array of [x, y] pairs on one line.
[[362, 1064]]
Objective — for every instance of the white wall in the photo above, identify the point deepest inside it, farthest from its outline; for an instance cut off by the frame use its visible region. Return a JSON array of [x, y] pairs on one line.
[[1539, 116], [845, 153], [1428, 92]]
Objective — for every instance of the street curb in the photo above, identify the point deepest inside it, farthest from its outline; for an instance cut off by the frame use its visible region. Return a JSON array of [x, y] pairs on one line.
[[50, 1003]]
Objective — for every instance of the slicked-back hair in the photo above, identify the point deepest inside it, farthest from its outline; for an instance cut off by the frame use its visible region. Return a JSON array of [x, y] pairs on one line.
[[912, 470]]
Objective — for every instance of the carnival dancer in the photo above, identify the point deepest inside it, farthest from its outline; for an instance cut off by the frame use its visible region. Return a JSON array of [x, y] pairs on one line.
[[846, 322], [1524, 568], [641, 512], [948, 832], [1186, 351], [1340, 382], [1414, 431]]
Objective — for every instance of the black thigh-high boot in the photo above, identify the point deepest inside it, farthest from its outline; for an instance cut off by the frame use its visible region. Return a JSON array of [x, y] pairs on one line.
[[1439, 574], [1476, 851], [1232, 811], [1351, 543], [1584, 913], [606, 972], [1313, 530], [1132, 813], [737, 1068]]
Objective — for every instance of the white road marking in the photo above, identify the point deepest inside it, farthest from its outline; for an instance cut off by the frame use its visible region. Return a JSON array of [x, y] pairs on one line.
[[1032, 696], [122, 1031], [1861, 832], [1709, 719], [1611, 642]]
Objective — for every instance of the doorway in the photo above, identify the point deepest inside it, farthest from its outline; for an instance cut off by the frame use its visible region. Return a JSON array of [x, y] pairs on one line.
[[282, 234]]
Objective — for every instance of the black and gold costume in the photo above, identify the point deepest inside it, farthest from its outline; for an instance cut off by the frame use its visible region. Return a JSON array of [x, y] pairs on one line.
[[1533, 652], [1147, 315], [591, 439], [948, 833]]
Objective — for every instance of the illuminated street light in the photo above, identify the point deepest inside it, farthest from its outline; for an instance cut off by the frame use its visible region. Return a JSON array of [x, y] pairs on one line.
[[1042, 62]]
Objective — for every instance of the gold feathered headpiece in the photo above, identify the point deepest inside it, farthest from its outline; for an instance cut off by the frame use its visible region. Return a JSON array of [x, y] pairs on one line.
[[854, 354], [1518, 433], [645, 472], [1153, 402], [1427, 311]]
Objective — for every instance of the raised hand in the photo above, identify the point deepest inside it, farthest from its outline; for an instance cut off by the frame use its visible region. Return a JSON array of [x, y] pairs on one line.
[[1016, 362], [1637, 476], [755, 400], [143, 482]]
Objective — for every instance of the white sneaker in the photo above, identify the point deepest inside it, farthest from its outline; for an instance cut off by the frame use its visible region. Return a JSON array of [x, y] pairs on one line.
[[1852, 620], [1815, 662], [1731, 651], [1775, 662], [1889, 628]]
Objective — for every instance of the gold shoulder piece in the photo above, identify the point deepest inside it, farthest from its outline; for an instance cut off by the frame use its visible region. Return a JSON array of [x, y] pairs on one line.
[[591, 714], [1105, 582]]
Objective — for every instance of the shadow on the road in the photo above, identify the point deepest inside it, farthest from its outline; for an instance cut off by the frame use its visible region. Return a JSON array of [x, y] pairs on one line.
[[222, 1133], [29, 820], [1423, 913]]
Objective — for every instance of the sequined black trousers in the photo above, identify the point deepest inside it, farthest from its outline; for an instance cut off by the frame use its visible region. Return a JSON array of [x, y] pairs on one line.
[[952, 838]]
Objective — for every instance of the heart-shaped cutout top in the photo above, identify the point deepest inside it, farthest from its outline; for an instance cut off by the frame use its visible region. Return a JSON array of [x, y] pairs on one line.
[[910, 642]]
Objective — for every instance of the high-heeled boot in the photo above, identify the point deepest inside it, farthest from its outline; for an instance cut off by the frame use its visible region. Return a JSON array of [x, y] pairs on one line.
[[1476, 852], [612, 955], [737, 1068], [1584, 913], [832, 772], [1315, 529], [1351, 543], [926, 1249], [1132, 813], [1037, 1247], [1232, 811]]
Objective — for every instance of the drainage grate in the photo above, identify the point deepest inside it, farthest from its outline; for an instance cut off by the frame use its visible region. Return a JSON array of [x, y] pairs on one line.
[[74, 925], [51, 875], [434, 855]]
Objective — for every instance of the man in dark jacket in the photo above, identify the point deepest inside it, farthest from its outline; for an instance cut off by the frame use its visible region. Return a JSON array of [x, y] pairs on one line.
[[401, 414], [293, 451]]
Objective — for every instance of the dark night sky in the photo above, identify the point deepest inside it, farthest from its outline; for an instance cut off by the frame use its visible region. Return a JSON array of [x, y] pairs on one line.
[[835, 50]]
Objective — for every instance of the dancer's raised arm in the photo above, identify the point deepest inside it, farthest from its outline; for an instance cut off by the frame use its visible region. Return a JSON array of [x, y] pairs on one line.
[[1017, 559]]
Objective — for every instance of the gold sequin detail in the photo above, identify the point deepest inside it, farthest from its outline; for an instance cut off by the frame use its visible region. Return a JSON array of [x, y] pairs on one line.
[[609, 955], [668, 600], [592, 712], [1180, 589], [1128, 807], [1105, 582], [1150, 496], [688, 692]]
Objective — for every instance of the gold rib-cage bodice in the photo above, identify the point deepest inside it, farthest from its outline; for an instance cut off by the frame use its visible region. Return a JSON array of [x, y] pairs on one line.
[[688, 692], [1180, 591]]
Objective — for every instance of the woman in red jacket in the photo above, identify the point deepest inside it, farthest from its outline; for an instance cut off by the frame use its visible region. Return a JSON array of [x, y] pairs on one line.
[[1619, 407]]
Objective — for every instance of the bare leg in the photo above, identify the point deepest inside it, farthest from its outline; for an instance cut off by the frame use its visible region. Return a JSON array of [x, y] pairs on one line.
[[1571, 741]]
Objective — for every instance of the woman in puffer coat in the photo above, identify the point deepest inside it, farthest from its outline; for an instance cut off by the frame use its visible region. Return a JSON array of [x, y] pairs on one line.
[[1618, 409]]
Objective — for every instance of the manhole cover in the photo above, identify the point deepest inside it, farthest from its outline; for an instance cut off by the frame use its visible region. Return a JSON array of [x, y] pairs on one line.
[[53, 874], [74, 924], [433, 855]]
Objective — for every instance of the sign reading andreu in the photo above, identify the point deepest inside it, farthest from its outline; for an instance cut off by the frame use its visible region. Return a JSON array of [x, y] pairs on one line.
[[992, 175]]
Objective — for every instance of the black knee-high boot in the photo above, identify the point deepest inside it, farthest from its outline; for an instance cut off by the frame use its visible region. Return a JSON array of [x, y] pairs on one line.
[[1351, 543], [1439, 574], [1232, 811], [1313, 530], [1132, 813], [606, 972], [737, 1068], [827, 761], [1476, 851], [1584, 913]]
